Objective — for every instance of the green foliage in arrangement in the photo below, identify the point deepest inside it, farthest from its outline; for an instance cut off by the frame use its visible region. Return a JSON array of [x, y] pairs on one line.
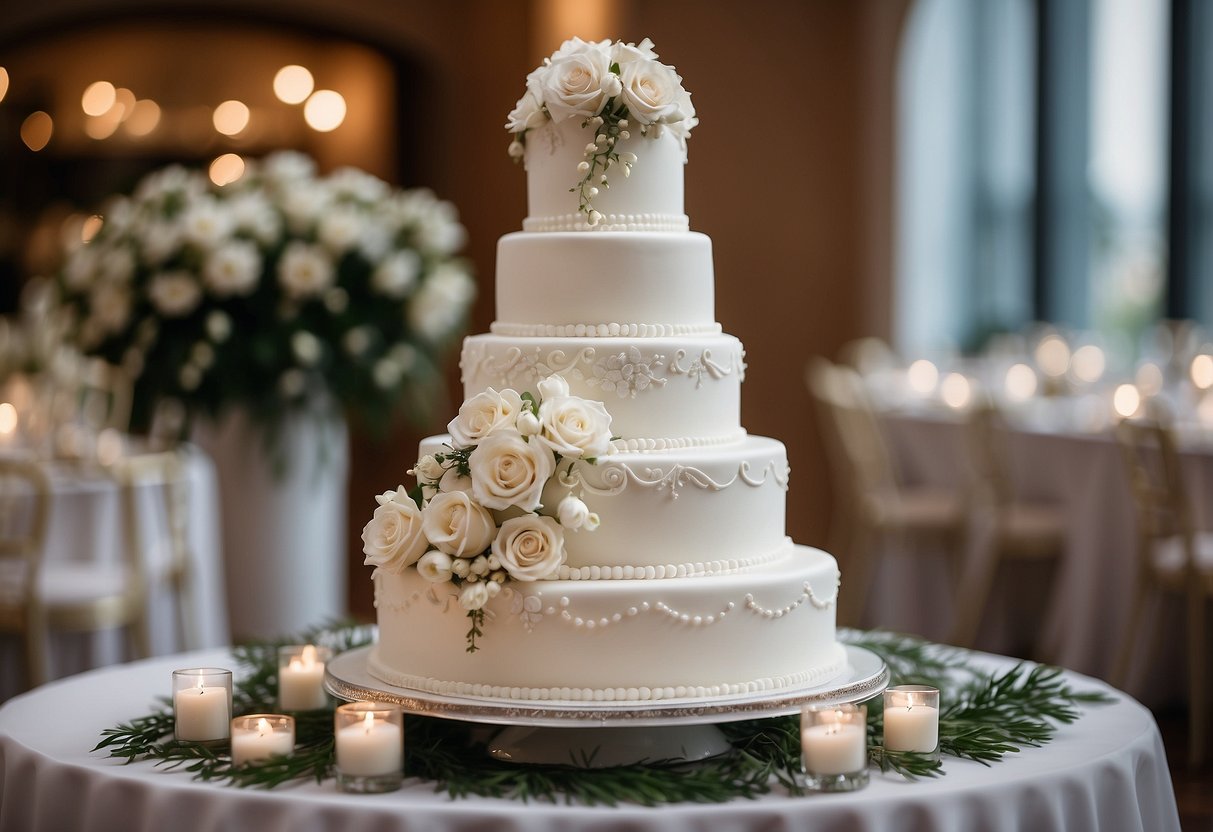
[[984, 717]]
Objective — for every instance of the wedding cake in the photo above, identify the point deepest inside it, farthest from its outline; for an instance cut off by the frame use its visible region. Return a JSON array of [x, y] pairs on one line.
[[597, 525]]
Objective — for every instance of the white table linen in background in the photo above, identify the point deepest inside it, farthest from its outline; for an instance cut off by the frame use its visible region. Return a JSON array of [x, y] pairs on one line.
[[1081, 608], [1107, 772], [85, 524]]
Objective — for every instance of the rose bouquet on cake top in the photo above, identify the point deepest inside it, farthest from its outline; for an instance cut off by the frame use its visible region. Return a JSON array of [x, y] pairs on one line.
[[615, 88], [271, 292], [476, 520]]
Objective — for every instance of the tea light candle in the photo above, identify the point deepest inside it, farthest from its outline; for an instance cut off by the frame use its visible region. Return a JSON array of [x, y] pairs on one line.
[[834, 747], [369, 739], [258, 736], [301, 677], [911, 719], [202, 704]]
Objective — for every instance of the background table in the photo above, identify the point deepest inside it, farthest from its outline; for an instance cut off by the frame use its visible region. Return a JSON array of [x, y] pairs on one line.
[[1107, 771], [1081, 609], [86, 524]]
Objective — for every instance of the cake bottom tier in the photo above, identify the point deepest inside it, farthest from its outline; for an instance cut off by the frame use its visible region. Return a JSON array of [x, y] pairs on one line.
[[630, 640]]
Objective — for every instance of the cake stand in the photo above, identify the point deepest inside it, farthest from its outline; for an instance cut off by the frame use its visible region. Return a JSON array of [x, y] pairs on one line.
[[603, 734]]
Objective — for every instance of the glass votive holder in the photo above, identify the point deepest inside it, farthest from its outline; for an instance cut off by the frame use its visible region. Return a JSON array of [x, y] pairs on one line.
[[369, 738], [834, 747], [301, 677], [911, 720], [258, 736], [202, 705]]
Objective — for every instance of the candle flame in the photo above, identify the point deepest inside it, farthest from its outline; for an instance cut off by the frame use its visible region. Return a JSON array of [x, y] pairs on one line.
[[368, 722], [201, 685], [263, 727]]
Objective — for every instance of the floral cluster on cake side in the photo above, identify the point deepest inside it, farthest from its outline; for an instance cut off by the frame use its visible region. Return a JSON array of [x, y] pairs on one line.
[[476, 520], [269, 290], [614, 88]]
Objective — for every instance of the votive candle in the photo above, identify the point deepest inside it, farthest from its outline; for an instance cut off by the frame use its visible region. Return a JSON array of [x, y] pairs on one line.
[[202, 704], [911, 719], [258, 736], [301, 677], [834, 747], [369, 738]]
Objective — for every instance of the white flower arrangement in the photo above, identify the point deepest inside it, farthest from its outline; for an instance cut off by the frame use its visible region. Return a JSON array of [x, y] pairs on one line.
[[476, 520], [607, 86], [267, 291]]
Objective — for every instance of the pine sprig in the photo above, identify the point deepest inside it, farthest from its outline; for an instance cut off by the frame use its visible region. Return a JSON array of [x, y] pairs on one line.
[[985, 716]]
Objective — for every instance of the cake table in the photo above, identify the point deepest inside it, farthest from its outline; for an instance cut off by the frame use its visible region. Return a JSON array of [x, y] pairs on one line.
[[1107, 771]]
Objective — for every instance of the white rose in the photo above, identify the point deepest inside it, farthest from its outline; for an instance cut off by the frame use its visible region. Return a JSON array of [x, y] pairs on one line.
[[455, 524], [527, 113], [530, 547], [393, 539], [651, 91], [626, 53], [435, 567], [474, 596], [452, 480], [484, 414], [233, 269], [528, 423], [574, 514], [553, 387], [174, 294], [509, 471], [305, 271], [572, 87], [575, 427]]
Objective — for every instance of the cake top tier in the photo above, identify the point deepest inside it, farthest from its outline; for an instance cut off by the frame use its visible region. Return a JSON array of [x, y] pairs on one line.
[[602, 128]]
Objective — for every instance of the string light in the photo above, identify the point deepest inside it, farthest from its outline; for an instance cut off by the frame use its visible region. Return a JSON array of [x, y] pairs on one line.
[[98, 98], [231, 117], [324, 111], [36, 130], [226, 169], [293, 84]]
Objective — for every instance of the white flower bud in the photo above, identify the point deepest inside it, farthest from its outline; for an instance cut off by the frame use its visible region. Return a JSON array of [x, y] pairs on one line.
[[494, 588], [494, 563], [218, 326], [528, 423], [627, 158], [595, 218], [611, 85], [582, 167], [516, 149], [479, 566], [623, 122], [427, 468], [624, 134], [435, 566], [573, 513], [306, 348], [459, 566], [593, 192], [473, 596], [591, 149], [592, 521]]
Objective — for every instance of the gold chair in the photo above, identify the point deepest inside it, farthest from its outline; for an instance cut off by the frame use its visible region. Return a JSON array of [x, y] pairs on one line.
[[1014, 529], [874, 507], [165, 558], [39, 595], [1172, 557]]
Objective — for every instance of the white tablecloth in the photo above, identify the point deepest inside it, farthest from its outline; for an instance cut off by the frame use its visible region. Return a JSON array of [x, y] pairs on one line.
[[1107, 771], [1082, 607], [85, 524]]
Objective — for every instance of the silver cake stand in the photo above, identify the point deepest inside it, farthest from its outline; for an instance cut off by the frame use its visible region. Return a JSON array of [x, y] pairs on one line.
[[602, 734]]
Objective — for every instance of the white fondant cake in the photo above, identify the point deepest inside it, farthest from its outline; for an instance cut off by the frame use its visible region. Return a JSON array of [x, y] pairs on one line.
[[641, 561]]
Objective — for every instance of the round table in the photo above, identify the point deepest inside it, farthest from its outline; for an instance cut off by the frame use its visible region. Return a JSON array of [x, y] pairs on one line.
[[1107, 771]]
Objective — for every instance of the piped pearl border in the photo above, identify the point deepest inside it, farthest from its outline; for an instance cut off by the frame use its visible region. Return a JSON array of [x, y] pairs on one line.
[[611, 330], [642, 445], [609, 222], [654, 692], [731, 566]]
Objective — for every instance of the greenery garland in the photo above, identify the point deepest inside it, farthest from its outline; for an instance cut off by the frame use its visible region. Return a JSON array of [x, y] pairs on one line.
[[984, 717]]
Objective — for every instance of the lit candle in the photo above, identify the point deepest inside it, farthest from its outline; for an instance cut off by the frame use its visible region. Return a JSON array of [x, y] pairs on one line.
[[834, 747], [8, 424], [259, 736], [301, 678], [911, 719], [370, 747], [202, 704]]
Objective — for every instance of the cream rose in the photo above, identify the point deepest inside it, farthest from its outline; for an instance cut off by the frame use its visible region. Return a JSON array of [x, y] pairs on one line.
[[552, 387], [530, 547], [509, 471], [575, 427], [572, 86], [651, 91], [435, 567], [528, 112], [456, 525], [393, 539], [428, 468], [484, 414], [452, 480]]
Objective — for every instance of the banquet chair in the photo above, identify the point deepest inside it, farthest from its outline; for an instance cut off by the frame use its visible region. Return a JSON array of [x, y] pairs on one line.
[[40, 595], [1016, 530], [874, 507], [158, 536], [1172, 558]]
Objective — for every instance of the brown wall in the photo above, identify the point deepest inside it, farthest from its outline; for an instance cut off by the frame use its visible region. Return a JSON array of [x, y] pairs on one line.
[[789, 173]]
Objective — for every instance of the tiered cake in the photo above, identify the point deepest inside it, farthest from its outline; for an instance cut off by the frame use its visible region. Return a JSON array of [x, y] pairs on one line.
[[688, 587]]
